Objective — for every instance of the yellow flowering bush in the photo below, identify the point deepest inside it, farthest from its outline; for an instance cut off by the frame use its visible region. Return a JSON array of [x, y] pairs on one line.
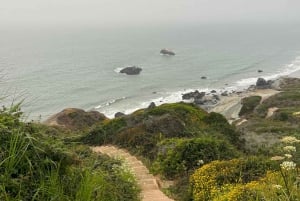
[[229, 180], [245, 192], [269, 188], [280, 185], [207, 181]]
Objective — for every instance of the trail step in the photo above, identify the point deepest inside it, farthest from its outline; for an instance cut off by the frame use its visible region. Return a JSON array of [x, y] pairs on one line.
[[146, 181]]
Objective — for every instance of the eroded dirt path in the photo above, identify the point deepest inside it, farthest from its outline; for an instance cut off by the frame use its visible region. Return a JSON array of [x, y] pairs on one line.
[[147, 182]]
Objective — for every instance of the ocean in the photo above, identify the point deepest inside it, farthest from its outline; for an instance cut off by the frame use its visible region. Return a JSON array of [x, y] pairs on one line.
[[54, 68]]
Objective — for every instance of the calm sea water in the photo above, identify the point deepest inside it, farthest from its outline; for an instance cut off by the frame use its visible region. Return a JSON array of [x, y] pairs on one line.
[[52, 69]]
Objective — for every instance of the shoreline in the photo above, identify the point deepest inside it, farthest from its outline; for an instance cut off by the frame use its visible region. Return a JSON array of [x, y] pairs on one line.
[[230, 105]]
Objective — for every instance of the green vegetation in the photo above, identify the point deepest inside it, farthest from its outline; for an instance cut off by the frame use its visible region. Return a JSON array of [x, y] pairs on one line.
[[36, 166], [205, 157], [250, 178], [172, 138], [141, 131], [249, 104], [213, 180], [284, 120], [183, 156]]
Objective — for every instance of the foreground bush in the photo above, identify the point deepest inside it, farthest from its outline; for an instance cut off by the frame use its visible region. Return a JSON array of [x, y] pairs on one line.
[[37, 167], [273, 187], [213, 180]]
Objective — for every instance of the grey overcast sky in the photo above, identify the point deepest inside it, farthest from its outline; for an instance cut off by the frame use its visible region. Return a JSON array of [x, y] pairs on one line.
[[123, 12]]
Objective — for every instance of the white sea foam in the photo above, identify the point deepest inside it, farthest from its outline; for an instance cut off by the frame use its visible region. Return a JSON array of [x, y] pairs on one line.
[[169, 97], [110, 108], [286, 70], [118, 70], [110, 102]]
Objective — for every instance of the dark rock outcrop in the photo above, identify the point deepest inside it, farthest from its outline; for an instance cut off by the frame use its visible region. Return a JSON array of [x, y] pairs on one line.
[[216, 97], [75, 119], [152, 105], [167, 52], [119, 114], [259, 71], [203, 77], [261, 83], [201, 99], [196, 95], [131, 70], [225, 93]]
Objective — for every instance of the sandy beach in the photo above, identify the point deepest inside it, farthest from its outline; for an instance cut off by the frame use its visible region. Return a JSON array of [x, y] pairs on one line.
[[230, 105]]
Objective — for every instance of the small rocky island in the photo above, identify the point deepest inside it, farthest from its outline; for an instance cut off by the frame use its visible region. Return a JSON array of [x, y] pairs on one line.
[[167, 52], [131, 70]]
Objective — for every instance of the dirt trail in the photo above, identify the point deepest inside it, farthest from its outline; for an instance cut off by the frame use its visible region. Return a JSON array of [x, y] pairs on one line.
[[147, 182]]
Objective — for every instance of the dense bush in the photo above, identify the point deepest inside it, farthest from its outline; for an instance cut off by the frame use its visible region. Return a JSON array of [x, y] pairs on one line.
[[142, 130], [104, 133], [177, 157], [218, 126], [37, 167], [249, 104], [213, 179]]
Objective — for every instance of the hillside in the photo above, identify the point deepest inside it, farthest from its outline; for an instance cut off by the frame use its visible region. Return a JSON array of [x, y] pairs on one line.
[[194, 154], [36, 164]]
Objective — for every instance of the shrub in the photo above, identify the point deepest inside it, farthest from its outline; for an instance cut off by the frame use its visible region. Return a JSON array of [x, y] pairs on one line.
[[105, 132], [219, 125], [142, 130], [216, 178], [177, 157], [249, 104], [37, 167]]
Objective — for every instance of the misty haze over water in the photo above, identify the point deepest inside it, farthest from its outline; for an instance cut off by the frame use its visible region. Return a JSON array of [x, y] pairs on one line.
[[65, 54]]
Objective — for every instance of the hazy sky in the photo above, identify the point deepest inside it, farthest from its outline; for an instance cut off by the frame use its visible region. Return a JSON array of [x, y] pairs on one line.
[[118, 12]]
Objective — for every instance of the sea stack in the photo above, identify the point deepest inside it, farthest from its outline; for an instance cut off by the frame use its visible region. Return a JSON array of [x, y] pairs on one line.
[[167, 52], [131, 70]]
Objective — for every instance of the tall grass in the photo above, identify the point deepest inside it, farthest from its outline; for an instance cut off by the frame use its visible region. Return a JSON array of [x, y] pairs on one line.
[[17, 148], [87, 186], [37, 167]]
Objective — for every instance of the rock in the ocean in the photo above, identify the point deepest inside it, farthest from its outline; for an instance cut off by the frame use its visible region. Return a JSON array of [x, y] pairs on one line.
[[167, 52], [225, 93], [196, 95], [259, 71], [131, 70], [203, 78], [213, 91], [119, 114], [75, 119]]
